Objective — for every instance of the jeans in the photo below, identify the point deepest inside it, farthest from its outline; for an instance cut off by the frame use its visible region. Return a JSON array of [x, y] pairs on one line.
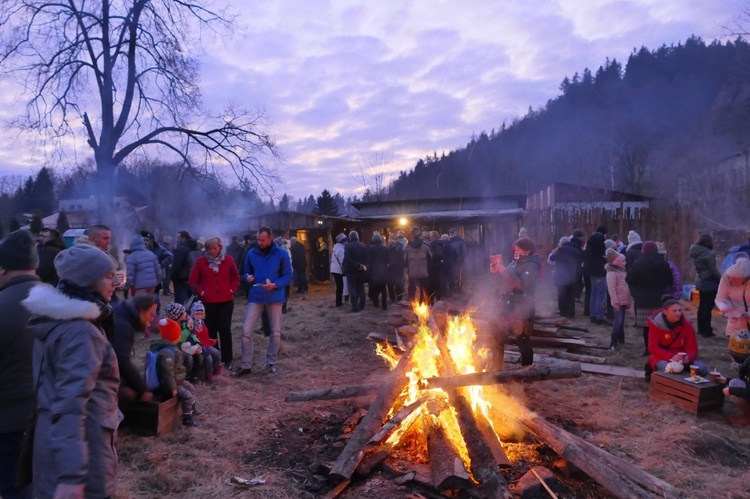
[[705, 307], [356, 283], [219, 324], [702, 369], [339, 280], [10, 450], [252, 314], [618, 327], [598, 296], [211, 361]]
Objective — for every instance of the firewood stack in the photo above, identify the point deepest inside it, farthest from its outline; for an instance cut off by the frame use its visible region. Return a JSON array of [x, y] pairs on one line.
[[436, 406]]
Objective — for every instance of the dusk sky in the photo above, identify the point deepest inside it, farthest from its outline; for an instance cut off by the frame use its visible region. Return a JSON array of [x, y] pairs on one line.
[[351, 83]]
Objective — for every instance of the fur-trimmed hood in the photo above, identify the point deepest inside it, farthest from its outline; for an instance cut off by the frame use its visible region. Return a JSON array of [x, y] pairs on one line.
[[48, 306]]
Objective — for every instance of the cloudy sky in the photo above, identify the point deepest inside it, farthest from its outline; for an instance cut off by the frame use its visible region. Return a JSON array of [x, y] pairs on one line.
[[348, 85]]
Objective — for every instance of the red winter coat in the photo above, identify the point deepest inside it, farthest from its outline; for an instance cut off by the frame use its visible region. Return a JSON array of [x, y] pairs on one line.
[[215, 287], [664, 343], [202, 334]]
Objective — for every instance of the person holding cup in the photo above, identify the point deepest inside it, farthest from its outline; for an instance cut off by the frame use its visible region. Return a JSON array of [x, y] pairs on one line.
[[671, 338]]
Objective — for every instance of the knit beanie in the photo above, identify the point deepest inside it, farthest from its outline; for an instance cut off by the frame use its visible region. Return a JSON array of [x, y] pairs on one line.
[[740, 269], [340, 238], [17, 251], [739, 345], [170, 331], [197, 307], [525, 244], [611, 254], [601, 229], [83, 264], [649, 247], [633, 237], [174, 311], [578, 234], [609, 243]]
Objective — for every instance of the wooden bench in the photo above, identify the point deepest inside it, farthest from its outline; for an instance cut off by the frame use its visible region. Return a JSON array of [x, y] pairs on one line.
[[153, 418], [693, 397]]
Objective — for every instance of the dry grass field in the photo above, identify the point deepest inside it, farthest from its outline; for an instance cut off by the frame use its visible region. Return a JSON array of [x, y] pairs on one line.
[[250, 432]]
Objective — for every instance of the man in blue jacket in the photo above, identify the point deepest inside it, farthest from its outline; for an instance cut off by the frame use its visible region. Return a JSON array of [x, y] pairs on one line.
[[267, 271]]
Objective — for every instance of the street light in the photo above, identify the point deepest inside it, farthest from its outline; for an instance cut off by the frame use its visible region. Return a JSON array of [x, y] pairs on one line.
[[402, 222]]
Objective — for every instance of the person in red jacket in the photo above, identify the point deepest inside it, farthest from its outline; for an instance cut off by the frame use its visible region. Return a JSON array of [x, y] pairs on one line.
[[671, 338], [214, 279]]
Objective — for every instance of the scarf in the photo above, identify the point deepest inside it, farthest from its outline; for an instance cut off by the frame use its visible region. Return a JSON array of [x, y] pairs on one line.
[[106, 319], [213, 263]]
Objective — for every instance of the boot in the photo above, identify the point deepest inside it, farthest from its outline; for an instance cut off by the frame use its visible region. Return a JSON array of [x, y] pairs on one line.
[[196, 411], [217, 370], [187, 420]]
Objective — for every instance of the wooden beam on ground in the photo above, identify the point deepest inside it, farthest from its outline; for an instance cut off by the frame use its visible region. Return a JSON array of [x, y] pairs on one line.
[[333, 393], [354, 450], [619, 478], [391, 337], [448, 471], [576, 357], [612, 370], [541, 371]]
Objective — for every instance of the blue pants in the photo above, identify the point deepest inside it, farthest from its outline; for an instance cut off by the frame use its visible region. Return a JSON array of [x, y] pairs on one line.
[[598, 297], [618, 327]]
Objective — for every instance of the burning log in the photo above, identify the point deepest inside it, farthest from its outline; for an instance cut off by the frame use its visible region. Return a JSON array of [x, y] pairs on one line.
[[333, 393], [536, 372], [448, 471], [355, 448], [396, 420], [617, 476], [501, 458]]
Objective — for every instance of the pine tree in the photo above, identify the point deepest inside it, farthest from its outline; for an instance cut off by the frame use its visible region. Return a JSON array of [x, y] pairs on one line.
[[284, 203], [36, 225], [326, 205], [62, 222], [43, 194]]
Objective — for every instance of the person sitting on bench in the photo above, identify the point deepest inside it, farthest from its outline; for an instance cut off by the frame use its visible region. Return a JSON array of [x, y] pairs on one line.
[[670, 335]]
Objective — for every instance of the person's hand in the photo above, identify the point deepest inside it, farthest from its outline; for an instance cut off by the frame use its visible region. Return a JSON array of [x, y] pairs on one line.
[[190, 324], [722, 380], [678, 358], [174, 393], [146, 397], [69, 491], [726, 391], [250, 278], [269, 286]]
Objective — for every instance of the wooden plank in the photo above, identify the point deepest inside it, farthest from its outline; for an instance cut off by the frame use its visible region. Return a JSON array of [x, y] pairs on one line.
[[612, 370], [390, 337], [668, 390]]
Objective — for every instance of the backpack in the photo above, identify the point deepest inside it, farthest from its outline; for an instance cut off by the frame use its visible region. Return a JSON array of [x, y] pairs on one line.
[[150, 370]]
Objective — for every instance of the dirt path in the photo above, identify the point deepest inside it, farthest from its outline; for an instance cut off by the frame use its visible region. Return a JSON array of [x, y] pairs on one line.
[[249, 431]]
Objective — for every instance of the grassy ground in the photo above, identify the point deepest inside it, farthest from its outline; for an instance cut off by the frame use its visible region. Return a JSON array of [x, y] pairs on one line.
[[249, 431]]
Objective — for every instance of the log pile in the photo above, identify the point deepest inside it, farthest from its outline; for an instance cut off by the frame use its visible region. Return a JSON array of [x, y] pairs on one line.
[[477, 462]]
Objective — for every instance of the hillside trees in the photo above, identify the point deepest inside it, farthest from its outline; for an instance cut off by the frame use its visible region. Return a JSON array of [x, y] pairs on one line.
[[123, 70]]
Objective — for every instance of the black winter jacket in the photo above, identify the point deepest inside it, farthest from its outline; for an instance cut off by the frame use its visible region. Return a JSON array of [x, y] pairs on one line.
[[649, 279], [379, 257], [355, 255], [127, 322]]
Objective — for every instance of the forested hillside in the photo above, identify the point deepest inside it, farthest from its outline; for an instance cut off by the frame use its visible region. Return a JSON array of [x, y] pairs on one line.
[[637, 128]]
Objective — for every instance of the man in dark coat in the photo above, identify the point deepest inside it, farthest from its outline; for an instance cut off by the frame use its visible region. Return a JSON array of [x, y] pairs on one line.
[[18, 262], [567, 260], [593, 266], [50, 244], [355, 270], [379, 257], [234, 249], [181, 267], [299, 264], [459, 247], [436, 267]]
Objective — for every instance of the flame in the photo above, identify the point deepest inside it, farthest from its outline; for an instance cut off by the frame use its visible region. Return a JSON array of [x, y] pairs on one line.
[[460, 341]]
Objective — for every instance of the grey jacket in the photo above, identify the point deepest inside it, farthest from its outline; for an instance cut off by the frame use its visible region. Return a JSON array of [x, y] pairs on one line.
[[16, 346], [707, 274], [143, 268], [78, 378]]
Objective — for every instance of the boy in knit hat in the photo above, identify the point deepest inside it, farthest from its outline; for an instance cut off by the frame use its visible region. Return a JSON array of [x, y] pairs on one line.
[[171, 370], [188, 341], [211, 356]]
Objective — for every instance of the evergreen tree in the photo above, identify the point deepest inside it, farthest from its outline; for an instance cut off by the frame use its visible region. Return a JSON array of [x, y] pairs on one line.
[[36, 225], [43, 193], [284, 203], [14, 225], [62, 222], [326, 205]]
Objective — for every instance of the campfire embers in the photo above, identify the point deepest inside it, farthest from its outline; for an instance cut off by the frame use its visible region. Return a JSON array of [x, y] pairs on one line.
[[436, 407]]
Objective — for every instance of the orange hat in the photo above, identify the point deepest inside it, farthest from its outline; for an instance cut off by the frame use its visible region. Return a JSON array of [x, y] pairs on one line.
[[170, 330]]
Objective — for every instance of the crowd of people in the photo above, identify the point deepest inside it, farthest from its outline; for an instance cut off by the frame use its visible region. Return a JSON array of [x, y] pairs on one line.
[[68, 338]]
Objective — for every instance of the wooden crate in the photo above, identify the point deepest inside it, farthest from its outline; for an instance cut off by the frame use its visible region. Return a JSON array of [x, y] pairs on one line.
[[694, 398], [153, 418]]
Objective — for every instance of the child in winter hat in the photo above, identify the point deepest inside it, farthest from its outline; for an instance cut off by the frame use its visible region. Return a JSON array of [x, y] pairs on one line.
[[739, 349], [169, 330], [211, 356], [172, 370]]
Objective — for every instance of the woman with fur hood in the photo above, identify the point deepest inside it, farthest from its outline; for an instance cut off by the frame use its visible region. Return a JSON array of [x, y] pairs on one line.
[[733, 296], [619, 294], [77, 378]]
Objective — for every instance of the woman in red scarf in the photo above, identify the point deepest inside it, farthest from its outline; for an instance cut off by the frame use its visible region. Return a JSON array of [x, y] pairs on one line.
[[671, 338]]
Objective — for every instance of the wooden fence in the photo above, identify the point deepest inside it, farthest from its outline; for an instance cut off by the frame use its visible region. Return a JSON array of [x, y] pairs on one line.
[[677, 227]]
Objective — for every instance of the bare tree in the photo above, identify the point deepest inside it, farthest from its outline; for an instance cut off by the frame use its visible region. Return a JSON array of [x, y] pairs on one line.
[[374, 176], [123, 69]]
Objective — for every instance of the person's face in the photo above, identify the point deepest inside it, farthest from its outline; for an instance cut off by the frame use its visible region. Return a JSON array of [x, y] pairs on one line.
[[199, 315], [433, 238], [106, 285], [148, 315], [45, 237], [673, 312], [148, 241], [213, 250], [102, 239], [264, 240], [180, 239]]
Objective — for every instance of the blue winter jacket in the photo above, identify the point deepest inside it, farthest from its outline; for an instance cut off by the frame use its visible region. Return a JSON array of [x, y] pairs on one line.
[[275, 265]]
